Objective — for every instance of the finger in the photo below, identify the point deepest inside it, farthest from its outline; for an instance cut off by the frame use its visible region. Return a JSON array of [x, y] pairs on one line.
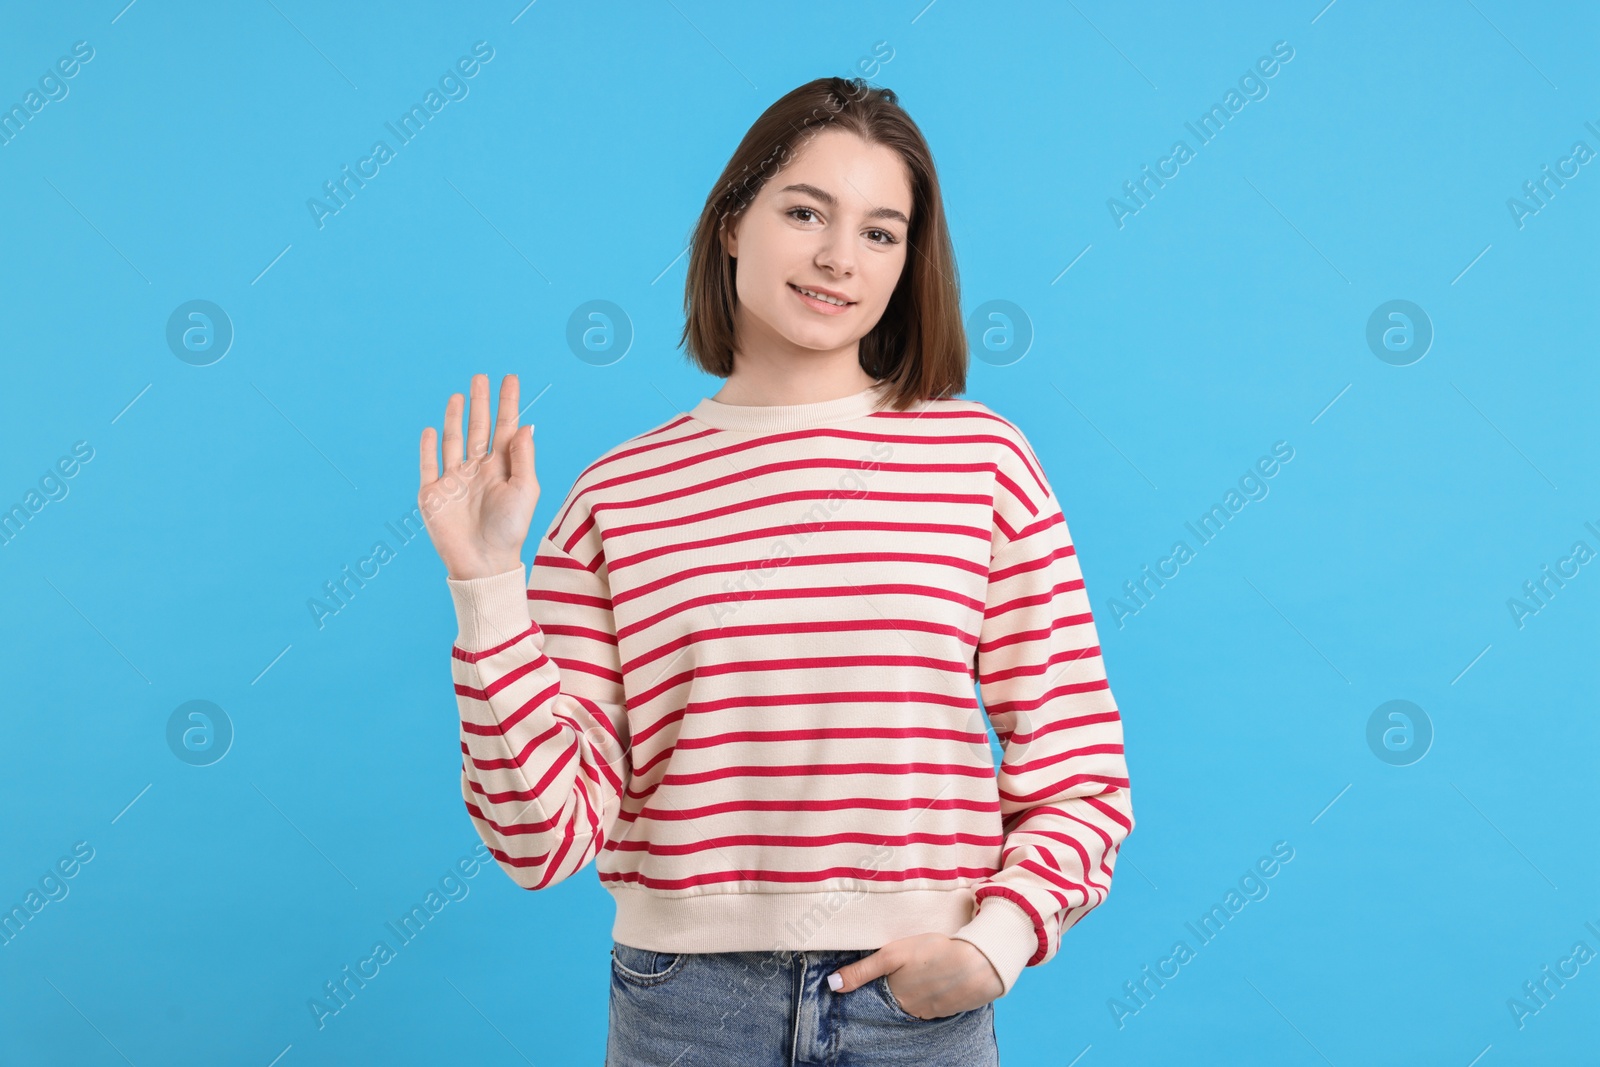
[[857, 974], [505, 426], [478, 417], [522, 457], [452, 432], [428, 461]]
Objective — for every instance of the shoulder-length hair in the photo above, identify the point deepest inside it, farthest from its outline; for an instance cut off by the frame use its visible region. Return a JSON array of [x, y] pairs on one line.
[[920, 344]]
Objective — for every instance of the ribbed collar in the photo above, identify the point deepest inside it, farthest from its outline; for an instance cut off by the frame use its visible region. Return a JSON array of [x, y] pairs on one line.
[[762, 418]]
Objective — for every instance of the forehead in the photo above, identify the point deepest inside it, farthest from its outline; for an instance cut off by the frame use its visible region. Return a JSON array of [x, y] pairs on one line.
[[859, 174]]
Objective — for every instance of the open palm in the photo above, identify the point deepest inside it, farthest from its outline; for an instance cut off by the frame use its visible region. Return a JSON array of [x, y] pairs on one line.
[[478, 510]]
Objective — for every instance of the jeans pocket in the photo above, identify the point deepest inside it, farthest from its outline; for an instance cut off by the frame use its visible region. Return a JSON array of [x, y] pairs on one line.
[[644, 967], [881, 984]]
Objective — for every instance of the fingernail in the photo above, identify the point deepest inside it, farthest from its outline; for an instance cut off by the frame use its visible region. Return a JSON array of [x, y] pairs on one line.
[[835, 982]]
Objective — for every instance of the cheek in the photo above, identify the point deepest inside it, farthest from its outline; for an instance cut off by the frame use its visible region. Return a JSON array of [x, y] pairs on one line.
[[758, 289], [755, 285], [888, 277], [755, 267]]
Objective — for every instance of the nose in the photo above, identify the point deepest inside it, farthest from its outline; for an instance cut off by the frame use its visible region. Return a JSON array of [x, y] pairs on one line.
[[836, 254]]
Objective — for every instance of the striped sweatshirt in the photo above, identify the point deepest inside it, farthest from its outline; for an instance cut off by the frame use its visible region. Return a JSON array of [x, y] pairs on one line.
[[743, 675]]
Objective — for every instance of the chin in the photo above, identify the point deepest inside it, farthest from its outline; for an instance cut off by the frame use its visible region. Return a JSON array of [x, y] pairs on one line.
[[817, 340]]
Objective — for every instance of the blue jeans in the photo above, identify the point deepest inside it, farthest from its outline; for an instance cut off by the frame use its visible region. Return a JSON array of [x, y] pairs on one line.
[[774, 1009]]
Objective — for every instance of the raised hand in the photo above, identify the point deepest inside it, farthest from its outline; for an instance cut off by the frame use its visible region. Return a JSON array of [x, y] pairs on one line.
[[477, 512]]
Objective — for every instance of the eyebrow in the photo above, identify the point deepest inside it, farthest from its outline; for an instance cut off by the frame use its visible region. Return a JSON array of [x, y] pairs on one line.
[[833, 201]]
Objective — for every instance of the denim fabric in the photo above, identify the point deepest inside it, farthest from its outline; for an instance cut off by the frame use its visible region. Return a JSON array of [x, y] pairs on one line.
[[774, 1009]]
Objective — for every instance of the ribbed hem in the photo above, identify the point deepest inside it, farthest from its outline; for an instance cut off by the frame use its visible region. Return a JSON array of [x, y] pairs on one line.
[[1005, 933], [490, 610], [761, 418], [796, 922]]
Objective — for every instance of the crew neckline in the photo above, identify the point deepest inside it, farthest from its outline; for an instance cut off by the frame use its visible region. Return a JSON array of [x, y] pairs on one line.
[[762, 418]]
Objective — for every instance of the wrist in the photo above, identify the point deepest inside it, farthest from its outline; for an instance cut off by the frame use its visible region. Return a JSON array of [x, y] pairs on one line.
[[1004, 933], [490, 610]]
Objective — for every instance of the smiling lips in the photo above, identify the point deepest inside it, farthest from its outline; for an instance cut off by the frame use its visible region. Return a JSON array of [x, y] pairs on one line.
[[819, 300]]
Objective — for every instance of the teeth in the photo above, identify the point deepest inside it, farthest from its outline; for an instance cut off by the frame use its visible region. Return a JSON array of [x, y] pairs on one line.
[[825, 299]]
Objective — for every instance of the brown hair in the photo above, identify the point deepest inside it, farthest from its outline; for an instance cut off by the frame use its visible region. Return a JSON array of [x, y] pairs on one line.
[[919, 344]]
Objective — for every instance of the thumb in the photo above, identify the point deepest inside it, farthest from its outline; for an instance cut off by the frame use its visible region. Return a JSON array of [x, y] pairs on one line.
[[857, 974]]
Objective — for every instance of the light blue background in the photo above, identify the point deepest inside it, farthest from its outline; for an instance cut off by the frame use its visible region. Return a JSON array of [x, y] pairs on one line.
[[1228, 314]]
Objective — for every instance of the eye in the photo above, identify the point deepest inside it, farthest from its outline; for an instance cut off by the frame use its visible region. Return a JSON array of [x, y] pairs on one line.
[[884, 235], [886, 238]]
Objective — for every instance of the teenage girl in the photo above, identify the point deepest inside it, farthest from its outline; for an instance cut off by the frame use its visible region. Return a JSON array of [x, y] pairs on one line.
[[740, 674]]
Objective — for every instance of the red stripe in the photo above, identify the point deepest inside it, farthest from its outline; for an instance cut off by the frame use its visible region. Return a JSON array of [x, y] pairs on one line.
[[1024, 453], [1066, 621], [768, 441], [1046, 596], [789, 629], [462, 654], [768, 533], [704, 811], [793, 877], [733, 737], [769, 499], [1055, 789], [555, 861], [809, 770], [1036, 703], [829, 560], [625, 453], [1049, 667], [502, 726], [804, 841], [509, 829], [806, 593], [1042, 526], [799, 700], [1070, 842], [991, 890], [1060, 757], [1052, 878], [676, 494]]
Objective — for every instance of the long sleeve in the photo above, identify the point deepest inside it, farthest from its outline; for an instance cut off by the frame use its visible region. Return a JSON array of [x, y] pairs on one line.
[[544, 738], [1063, 782]]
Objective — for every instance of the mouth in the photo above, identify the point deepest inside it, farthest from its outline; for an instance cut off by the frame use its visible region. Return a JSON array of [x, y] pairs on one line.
[[828, 303]]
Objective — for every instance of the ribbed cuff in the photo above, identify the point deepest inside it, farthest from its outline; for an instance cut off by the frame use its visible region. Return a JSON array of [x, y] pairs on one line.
[[1004, 933], [490, 610]]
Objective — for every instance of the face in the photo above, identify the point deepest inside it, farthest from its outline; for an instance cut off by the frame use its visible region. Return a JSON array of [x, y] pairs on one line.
[[834, 219]]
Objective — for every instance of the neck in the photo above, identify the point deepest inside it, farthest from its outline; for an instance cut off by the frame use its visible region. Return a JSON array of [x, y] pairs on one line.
[[812, 380]]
